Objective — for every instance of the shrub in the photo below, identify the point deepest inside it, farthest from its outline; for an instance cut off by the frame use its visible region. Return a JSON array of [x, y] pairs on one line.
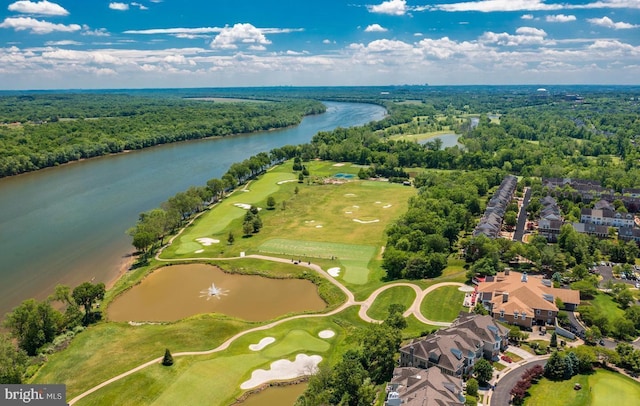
[[167, 360]]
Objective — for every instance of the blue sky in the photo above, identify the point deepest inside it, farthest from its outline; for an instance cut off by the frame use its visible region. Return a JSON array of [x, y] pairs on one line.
[[202, 43]]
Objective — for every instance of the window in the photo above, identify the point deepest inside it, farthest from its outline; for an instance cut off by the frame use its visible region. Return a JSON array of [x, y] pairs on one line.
[[538, 312], [524, 316], [501, 313], [550, 312]]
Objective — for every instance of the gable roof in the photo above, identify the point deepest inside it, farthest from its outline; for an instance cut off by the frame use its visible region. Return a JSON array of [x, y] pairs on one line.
[[426, 387]]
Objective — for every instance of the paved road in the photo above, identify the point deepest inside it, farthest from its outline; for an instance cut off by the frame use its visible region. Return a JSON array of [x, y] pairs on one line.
[[522, 217], [501, 396]]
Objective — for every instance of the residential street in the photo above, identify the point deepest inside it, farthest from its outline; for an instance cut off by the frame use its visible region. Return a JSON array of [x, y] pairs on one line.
[[522, 216], [500, 395]]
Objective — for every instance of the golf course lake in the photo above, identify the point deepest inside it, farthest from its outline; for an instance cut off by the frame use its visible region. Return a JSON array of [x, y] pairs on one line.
[[276, 395], [67, 225], [174, 292]]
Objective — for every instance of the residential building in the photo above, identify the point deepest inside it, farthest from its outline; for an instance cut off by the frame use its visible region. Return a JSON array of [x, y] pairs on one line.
[[491, 222], [419, 387], [518, 298], [606, 217]]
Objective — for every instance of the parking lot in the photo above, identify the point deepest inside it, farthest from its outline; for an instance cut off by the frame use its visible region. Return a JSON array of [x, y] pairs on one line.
[[606, 271]]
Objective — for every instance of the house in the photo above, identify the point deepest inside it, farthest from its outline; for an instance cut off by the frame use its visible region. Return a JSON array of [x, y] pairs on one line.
[[491, 222], [518, 298], [606, 217], [455, 350], [629, 234], [419, 387], [591, 229]]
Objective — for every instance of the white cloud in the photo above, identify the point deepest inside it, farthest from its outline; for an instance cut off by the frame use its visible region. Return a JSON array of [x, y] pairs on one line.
[[487, 6], [524, 36], [119, 6], [391, 7], [62, 43], [560, 18], [140, 6], [609, 23], [375, 28], [98, 32], [41, 8], [196, 32], [241, 33], [527, 17], [326, 41], [37, 26]]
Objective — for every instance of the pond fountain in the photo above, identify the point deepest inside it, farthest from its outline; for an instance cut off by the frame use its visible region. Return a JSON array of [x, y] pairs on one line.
[[213, 291]]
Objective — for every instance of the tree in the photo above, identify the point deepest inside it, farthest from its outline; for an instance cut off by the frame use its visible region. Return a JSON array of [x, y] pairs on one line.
[[86, 294], [33, 324], [13, 362], [480, 309], [300, 178], [395, 318], [379, 345], [483, 371], [231, 238], [556, 367], [472, 387], [554, 340], [296, 190], [167, 360], [271, 203], [247, 228]]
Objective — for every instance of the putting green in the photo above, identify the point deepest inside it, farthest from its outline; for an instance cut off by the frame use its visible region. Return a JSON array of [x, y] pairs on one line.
[[610, 388], [354, 258]]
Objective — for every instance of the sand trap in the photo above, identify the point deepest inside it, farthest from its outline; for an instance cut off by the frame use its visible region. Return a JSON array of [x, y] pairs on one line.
[[350, 195], [207, 241], [326, 334], [378, 202], [246, 190], [356, 207], [263, 343], [309, 221], [386, 206], [335, 272], [318, 226], [245, 206], [284, 369], [348, 212], [339, 164], [286, 181], [199, 251], [365, 221]]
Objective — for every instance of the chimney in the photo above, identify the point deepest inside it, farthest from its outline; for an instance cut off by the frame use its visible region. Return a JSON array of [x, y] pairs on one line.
[[524, 277], [505, 297], [506, 271]]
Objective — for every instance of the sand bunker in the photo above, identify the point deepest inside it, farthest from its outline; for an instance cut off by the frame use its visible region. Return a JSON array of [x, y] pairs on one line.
[[365, 221], [335, 272], [378, 202], [286, 181], [199, 251], [386, 206], [309, 221], [348, 212], [207, 241], [339, 164], [283, 369], [318, 226], [349, 195], [263, 343], [326, 334], [244, 206], [356, 207]]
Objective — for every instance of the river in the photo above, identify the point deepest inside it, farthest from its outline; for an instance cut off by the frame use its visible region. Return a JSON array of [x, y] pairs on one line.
[[67, 225]]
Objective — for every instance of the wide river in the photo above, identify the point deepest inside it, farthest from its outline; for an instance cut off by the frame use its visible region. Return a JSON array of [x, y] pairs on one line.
[[68, 224]]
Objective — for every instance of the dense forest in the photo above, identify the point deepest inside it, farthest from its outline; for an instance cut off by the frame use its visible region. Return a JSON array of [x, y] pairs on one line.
[[39, 131]]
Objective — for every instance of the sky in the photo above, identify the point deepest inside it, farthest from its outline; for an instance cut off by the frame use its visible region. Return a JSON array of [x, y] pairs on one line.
[[75, 44]]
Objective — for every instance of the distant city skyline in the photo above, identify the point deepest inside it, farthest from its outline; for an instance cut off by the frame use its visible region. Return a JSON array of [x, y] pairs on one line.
[[205, 43]]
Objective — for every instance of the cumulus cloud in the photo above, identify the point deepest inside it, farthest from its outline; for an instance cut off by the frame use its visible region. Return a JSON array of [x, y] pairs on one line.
[[391, 7], [487, 6], [199, 31], [375, 28], [524, 36], [609, 23], [560, 18], [41, 8], [119, 6], [37, 26], [65, 42], [527, 17], [140, 6], [241, 33], [98, 32]]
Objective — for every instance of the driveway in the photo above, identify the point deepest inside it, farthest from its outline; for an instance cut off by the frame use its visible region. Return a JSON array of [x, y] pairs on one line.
[[500, 395], [522, 217]]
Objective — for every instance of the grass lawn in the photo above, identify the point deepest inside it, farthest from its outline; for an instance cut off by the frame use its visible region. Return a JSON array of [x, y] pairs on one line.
[[607, 306], [601, 388], [514, 357], [443, 304], [402, 295]]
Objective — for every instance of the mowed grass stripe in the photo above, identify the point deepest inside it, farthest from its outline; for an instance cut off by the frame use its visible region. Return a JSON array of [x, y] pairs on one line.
[[353, 258], [402, 295]]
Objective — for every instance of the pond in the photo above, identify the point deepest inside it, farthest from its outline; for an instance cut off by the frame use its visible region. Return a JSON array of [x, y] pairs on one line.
[[174, 292], [276, 395]]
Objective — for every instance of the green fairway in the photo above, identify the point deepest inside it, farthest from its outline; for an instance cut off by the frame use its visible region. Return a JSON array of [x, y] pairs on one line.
[[353, 258], [602, 388], [402, 295], [443, 304]]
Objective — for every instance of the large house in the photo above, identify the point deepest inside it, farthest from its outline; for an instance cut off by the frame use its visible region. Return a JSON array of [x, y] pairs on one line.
[[518, 298], [455, 350], [419, 387], [606, 217]]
